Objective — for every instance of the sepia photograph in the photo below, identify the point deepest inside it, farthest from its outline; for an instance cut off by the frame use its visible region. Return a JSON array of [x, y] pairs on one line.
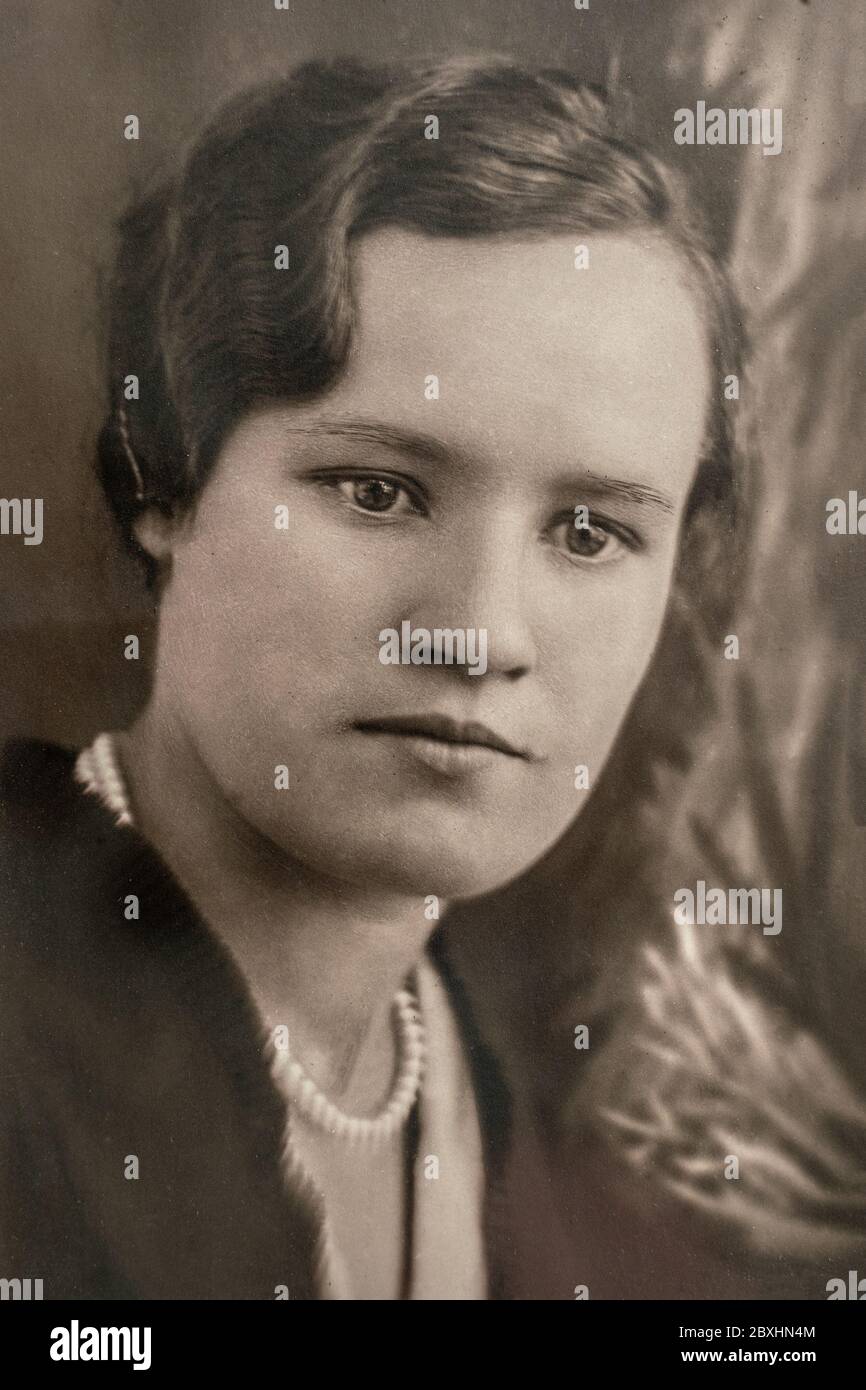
[[433, 650]]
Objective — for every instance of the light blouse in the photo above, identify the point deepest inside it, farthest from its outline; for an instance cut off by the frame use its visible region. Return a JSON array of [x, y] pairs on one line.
[[447, 1249]]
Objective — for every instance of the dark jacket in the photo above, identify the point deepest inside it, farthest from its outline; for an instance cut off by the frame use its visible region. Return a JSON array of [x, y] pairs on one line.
[[122, 1038]]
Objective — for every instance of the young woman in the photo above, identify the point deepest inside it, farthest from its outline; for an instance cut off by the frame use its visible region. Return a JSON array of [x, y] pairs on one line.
[[417, 423]]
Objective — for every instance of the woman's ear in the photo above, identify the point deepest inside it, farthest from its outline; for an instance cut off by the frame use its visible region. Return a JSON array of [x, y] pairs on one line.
[[155, 531]]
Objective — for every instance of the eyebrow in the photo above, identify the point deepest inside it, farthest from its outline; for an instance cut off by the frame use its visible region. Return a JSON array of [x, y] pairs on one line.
[[601, 485], [428, 449]]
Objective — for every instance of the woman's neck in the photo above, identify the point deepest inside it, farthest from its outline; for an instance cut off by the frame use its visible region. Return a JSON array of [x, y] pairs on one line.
[[321, 957]]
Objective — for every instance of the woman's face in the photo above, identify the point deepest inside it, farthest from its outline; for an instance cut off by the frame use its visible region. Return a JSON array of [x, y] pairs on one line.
[[493, 388]]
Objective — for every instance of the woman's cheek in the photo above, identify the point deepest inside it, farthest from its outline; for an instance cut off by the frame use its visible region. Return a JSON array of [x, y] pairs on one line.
[[608, 658]]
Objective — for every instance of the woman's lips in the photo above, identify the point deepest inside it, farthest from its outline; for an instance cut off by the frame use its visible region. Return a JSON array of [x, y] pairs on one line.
[[444, 744], [440, 726]]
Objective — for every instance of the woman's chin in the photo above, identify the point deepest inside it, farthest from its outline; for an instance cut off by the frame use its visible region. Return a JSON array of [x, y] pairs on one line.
[[446, 872]]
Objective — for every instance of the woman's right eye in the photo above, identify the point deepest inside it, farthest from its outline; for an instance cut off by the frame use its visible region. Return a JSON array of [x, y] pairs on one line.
[[375, 495]]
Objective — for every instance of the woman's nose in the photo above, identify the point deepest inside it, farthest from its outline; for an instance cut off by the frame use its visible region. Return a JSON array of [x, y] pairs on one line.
[[478, 584]]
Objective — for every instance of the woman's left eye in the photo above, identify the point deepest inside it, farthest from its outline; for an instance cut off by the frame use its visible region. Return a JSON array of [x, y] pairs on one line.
[[375, 496], [595, 542]]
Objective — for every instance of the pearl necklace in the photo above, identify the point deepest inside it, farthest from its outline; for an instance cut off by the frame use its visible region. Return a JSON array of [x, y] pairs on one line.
[[98, 769], [310, 1102]]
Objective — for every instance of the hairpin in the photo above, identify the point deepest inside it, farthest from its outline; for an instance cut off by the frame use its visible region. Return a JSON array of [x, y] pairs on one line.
[[127, 448]]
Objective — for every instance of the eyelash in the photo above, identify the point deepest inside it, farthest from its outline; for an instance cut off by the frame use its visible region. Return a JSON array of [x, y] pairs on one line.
[[626, 539], [624, 535], [334, 482]]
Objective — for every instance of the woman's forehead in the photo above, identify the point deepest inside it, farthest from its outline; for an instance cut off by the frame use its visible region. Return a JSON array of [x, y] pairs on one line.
[[506, 348]]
